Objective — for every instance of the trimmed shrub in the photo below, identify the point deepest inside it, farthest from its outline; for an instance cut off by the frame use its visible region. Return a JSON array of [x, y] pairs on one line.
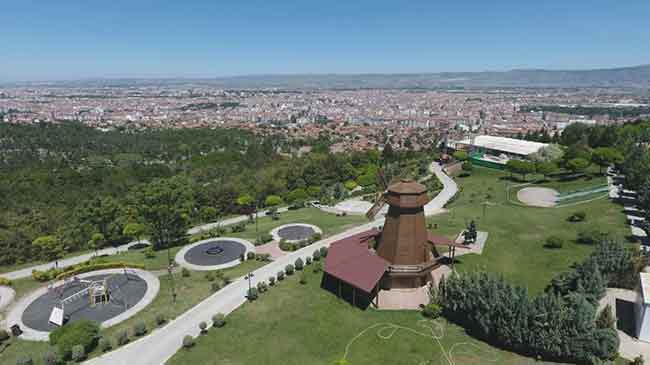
[[316, 255], [303, 278], [323, 251], [554, 242], [589, 236], [5, 282], [188, 342], [160, 319], [226, 279], [239, 227], [50, 358], [308, 261], [78, 353], [289, 269], [122, 338], [578, 216], [24, 360], [272, 280], [4, 335], [432, 310], [185, 273], [215, 286], [265, 238], [140, 329], [89, 266], [318, 267], [105, 344], [83, 332], [280, 275], [149, 253], [203, 327], [252, 294], [219, 320], [250, 255], [299, 264]]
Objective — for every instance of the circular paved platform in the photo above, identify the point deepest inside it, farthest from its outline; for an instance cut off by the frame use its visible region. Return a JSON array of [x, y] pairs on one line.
[[130, 292], [295, 232], [213, 253], [538, 197]]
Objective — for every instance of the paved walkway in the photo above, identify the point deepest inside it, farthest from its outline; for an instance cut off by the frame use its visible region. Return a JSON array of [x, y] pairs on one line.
[[163, 343], [437, 204], [229, 221], [272, 248]]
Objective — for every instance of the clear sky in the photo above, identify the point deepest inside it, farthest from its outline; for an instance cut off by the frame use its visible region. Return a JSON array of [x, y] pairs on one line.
[[75, 39]]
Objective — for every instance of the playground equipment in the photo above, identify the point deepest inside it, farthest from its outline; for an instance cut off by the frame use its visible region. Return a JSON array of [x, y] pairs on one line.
[[103, 291]]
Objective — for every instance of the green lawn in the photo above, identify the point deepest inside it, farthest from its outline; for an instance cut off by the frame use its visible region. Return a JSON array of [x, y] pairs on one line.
[[329, 223], [517, 234], [304, 324]]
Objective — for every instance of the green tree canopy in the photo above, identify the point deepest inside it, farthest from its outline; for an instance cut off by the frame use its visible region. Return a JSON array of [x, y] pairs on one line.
[[50, 247], [165, 205]]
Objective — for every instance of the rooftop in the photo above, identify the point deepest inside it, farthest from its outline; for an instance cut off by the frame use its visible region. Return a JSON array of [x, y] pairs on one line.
[[504, 144]]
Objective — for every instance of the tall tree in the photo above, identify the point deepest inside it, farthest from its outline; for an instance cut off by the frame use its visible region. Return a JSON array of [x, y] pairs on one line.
[[164, 205]]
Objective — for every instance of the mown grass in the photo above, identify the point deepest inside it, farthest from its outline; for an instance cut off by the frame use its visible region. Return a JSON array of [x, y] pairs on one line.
[[295, 324], [515, 247]]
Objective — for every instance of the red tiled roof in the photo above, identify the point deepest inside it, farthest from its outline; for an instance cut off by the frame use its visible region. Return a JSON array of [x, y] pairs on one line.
[[350, 260]]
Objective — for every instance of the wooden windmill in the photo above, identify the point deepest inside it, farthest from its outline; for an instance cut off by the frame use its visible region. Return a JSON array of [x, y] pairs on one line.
[[404, 240]]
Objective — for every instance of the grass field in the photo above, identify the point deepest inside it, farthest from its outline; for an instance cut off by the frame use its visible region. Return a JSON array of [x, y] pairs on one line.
[[517, 234], [295, 324]]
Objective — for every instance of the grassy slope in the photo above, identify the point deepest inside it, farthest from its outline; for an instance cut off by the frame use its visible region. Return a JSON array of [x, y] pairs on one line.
[[303, 324], [516, 234]]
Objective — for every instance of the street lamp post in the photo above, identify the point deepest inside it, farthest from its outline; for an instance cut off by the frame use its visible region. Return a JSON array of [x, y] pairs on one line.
[[249, 277]]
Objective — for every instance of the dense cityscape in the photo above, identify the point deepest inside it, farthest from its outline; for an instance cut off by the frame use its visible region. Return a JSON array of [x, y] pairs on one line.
[[356, 119]]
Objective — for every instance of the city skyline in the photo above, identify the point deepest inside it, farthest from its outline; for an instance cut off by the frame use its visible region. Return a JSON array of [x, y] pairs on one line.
[[76, 40]]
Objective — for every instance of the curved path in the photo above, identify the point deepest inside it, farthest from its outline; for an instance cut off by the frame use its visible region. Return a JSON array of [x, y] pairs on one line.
[[164, 342]]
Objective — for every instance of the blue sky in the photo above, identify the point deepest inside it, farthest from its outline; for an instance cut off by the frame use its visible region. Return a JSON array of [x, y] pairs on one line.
[[70, 39]]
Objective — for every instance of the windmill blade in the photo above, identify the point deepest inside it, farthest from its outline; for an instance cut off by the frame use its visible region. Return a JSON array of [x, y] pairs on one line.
[[372, 212], [381, 178]]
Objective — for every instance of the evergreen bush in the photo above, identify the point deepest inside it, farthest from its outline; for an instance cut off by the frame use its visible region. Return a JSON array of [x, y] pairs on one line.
[[83, 332], [188, 342], [140, 329], [122, 338], [219, 320], [105, 344], [203, 326], [289, 269], [298, 264], [160, 319], [78, 353], [252, 294], [280, 275]]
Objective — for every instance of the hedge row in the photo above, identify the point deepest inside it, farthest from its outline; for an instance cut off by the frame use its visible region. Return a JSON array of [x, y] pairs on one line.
[[59, 274]]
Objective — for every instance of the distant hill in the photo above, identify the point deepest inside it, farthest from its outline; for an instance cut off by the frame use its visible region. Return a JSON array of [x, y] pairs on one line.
[[634, 77]]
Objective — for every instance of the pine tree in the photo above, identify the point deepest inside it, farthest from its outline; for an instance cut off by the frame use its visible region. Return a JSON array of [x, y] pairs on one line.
[[606, 318]]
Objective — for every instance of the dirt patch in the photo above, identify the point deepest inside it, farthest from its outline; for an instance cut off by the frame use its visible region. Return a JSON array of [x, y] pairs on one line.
[[538, 197]]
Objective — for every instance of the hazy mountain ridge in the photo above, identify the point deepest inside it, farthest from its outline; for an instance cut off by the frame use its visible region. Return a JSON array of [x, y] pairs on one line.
[[634, 77]]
